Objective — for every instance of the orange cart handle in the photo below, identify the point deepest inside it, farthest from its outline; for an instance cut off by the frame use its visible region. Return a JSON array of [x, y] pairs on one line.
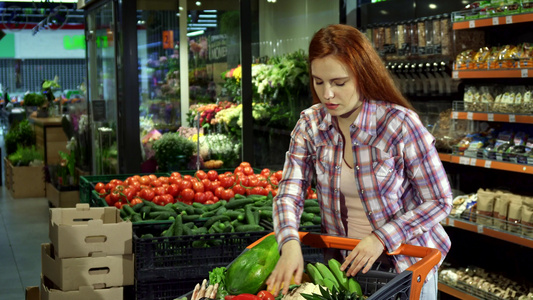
[[430, 257]]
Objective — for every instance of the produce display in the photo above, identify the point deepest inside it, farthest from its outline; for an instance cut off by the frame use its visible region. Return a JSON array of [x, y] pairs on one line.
[[202, 187]]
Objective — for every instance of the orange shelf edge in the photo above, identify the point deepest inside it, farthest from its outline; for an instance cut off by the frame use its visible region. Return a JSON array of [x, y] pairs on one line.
[[508, 237], [454, 292], [491, 164], [489, 21], [494, 117], [508, 73]]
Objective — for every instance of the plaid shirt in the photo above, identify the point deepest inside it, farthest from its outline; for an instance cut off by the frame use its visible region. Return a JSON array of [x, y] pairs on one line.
[[400, 178]]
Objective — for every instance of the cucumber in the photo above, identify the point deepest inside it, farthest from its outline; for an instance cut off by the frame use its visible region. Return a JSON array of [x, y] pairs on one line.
[[312, 209], [135, 218], [187, 230], [189, 218], [249, 216], [307, 217], [213, 219], [248, 228], [199, 230], [310, 203], [137, 207], [128, 209], [221, 211], [214, 206], [178, 226], [317, 220], [266, 214], [238, 203], [159, 215], [233, 214]]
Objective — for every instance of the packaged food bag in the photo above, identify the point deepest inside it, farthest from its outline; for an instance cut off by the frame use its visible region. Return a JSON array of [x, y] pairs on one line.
[[514, 215]]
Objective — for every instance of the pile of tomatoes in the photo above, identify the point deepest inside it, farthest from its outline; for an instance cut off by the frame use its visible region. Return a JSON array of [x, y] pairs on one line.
[[204, 187]]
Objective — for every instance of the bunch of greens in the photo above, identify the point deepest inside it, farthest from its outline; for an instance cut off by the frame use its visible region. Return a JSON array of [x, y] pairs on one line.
[[20, 134], [24, 156], [34, 99], [218, 275]]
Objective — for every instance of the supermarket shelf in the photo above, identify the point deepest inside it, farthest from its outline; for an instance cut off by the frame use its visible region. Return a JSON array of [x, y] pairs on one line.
[[488, 231], [505, 73], [455, 292], [493, 117], [493, 21], [486, 163]]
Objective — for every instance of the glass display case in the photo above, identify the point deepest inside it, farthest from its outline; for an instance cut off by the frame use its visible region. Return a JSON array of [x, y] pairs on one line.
[[102, 87]]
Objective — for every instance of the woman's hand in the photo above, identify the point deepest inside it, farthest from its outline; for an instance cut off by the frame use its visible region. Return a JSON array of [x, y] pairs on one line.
[[291, 263], [363, 255]]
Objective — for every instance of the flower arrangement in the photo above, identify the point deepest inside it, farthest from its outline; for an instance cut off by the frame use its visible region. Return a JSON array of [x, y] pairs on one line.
[[219, 147]]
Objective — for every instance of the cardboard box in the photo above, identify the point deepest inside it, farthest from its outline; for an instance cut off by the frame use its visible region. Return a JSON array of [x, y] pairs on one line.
[[84, 292], [24, 182], [84, 231], [33, 293], [98, 271], [61, 198]]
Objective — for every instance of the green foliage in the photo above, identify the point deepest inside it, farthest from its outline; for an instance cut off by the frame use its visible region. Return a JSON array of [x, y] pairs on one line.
[[24, 156], [34, 99], [20, 134], [172, 151]]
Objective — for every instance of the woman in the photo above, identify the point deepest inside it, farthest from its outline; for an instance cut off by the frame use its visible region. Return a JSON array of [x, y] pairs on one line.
[[379, 176]]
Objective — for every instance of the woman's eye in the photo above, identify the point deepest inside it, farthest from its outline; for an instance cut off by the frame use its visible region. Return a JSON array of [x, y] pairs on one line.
[[319, 82], [339, 84]]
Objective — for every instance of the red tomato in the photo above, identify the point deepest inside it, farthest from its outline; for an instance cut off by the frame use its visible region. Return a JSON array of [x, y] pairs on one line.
[[115, 196], [265, 295], [200, 174], [166, 199], [207, 184], [188, 177], [157, 199], [198, 187], [157, 183], [135, 185], [185, 184], [200, 197], [253, 182], [246, 297], [119, 204], [258, 191], [164, 179], [152, 177], [209, 195], [248, 170], [239, 189], [229, 297], [245, 164], [214, 185], [117, 182], [99, 186], [278, 175], [110, 186], [145, 180], [173, 180], [147, 194], [135, 201], [265, 172], [187, 195], [173, 190], [227, 194], [274, 180], [129, 193], [212, 175], [160, 191], [218, 192], [237, 170], [108, 200], [176, 174], [209, 202]]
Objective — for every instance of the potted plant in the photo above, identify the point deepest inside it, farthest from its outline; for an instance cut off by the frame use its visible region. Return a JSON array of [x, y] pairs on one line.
[[173, 152], [32, 102], [26, 163], [21, 134]]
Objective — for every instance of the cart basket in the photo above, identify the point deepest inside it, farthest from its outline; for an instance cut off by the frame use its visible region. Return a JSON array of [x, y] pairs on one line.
[[378, 284]]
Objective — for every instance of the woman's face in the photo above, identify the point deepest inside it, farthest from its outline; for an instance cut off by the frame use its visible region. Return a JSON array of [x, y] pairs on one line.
[[335, 85]]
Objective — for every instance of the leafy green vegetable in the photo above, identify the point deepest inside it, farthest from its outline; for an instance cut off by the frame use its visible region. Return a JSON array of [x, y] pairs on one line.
[[218, 275]]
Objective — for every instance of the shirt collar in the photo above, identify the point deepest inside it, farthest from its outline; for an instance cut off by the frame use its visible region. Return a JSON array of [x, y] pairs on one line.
[[366, 120]]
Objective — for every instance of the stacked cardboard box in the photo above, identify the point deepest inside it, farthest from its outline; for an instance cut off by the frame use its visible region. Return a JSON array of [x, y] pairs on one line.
[[90, 255]]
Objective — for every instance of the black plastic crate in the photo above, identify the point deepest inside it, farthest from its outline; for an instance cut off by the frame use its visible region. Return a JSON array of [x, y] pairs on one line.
[[165, 289], [385, 285], [188, 257]]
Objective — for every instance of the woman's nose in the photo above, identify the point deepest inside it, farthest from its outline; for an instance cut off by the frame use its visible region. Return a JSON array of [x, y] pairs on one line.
[[328, 93]]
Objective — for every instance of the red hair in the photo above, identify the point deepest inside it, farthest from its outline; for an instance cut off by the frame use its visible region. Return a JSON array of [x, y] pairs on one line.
[[354, 50]]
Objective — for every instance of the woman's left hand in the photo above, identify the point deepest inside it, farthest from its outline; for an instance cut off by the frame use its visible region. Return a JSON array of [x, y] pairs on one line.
[[363, 255]]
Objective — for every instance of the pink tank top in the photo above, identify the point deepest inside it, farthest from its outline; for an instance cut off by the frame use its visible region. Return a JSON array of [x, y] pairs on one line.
[[358, 224]]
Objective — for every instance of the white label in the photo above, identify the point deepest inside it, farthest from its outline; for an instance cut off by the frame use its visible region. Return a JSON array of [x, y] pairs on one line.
[[488, 163], [524, 73], [455, 115], [495, 21], [473, 161], [464, 160], [472, 24], [512, 118], [490, 117], [470, 116], [509, 20], [479, 228], [455, 74], [450, 221]]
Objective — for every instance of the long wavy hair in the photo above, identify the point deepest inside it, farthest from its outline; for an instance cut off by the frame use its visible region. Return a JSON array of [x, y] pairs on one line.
[[354, 50]]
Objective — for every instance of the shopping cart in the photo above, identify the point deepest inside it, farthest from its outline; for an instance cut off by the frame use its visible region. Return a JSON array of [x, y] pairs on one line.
[[380, 285], [377, 285]]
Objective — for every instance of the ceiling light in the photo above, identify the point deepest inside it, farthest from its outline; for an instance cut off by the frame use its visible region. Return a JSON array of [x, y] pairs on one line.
[[203, 25], [198, 3], [195, 33], [181, 7], [207, 16], [433, 6]]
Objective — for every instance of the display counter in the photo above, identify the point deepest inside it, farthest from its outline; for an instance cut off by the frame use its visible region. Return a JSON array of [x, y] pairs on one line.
[[50, 138]]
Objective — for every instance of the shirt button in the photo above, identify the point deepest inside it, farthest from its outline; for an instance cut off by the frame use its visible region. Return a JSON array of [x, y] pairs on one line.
[[356, 143], [357, 167], [337, 167], [336, 190], [369, 213], [362, 191]]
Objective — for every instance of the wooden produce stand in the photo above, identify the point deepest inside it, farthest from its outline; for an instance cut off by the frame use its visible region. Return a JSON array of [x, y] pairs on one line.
[[50, 138]]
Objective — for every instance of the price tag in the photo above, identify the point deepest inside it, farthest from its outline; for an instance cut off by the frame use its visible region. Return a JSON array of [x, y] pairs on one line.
[[450, 221], [512, 118], [470, 116], [479, 228], [490, 117], [473, 162], [464, 160], [472, 24], [488, 163], [495, 21], [455, 115], [455, 74], [509, 20], [524, 73]]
